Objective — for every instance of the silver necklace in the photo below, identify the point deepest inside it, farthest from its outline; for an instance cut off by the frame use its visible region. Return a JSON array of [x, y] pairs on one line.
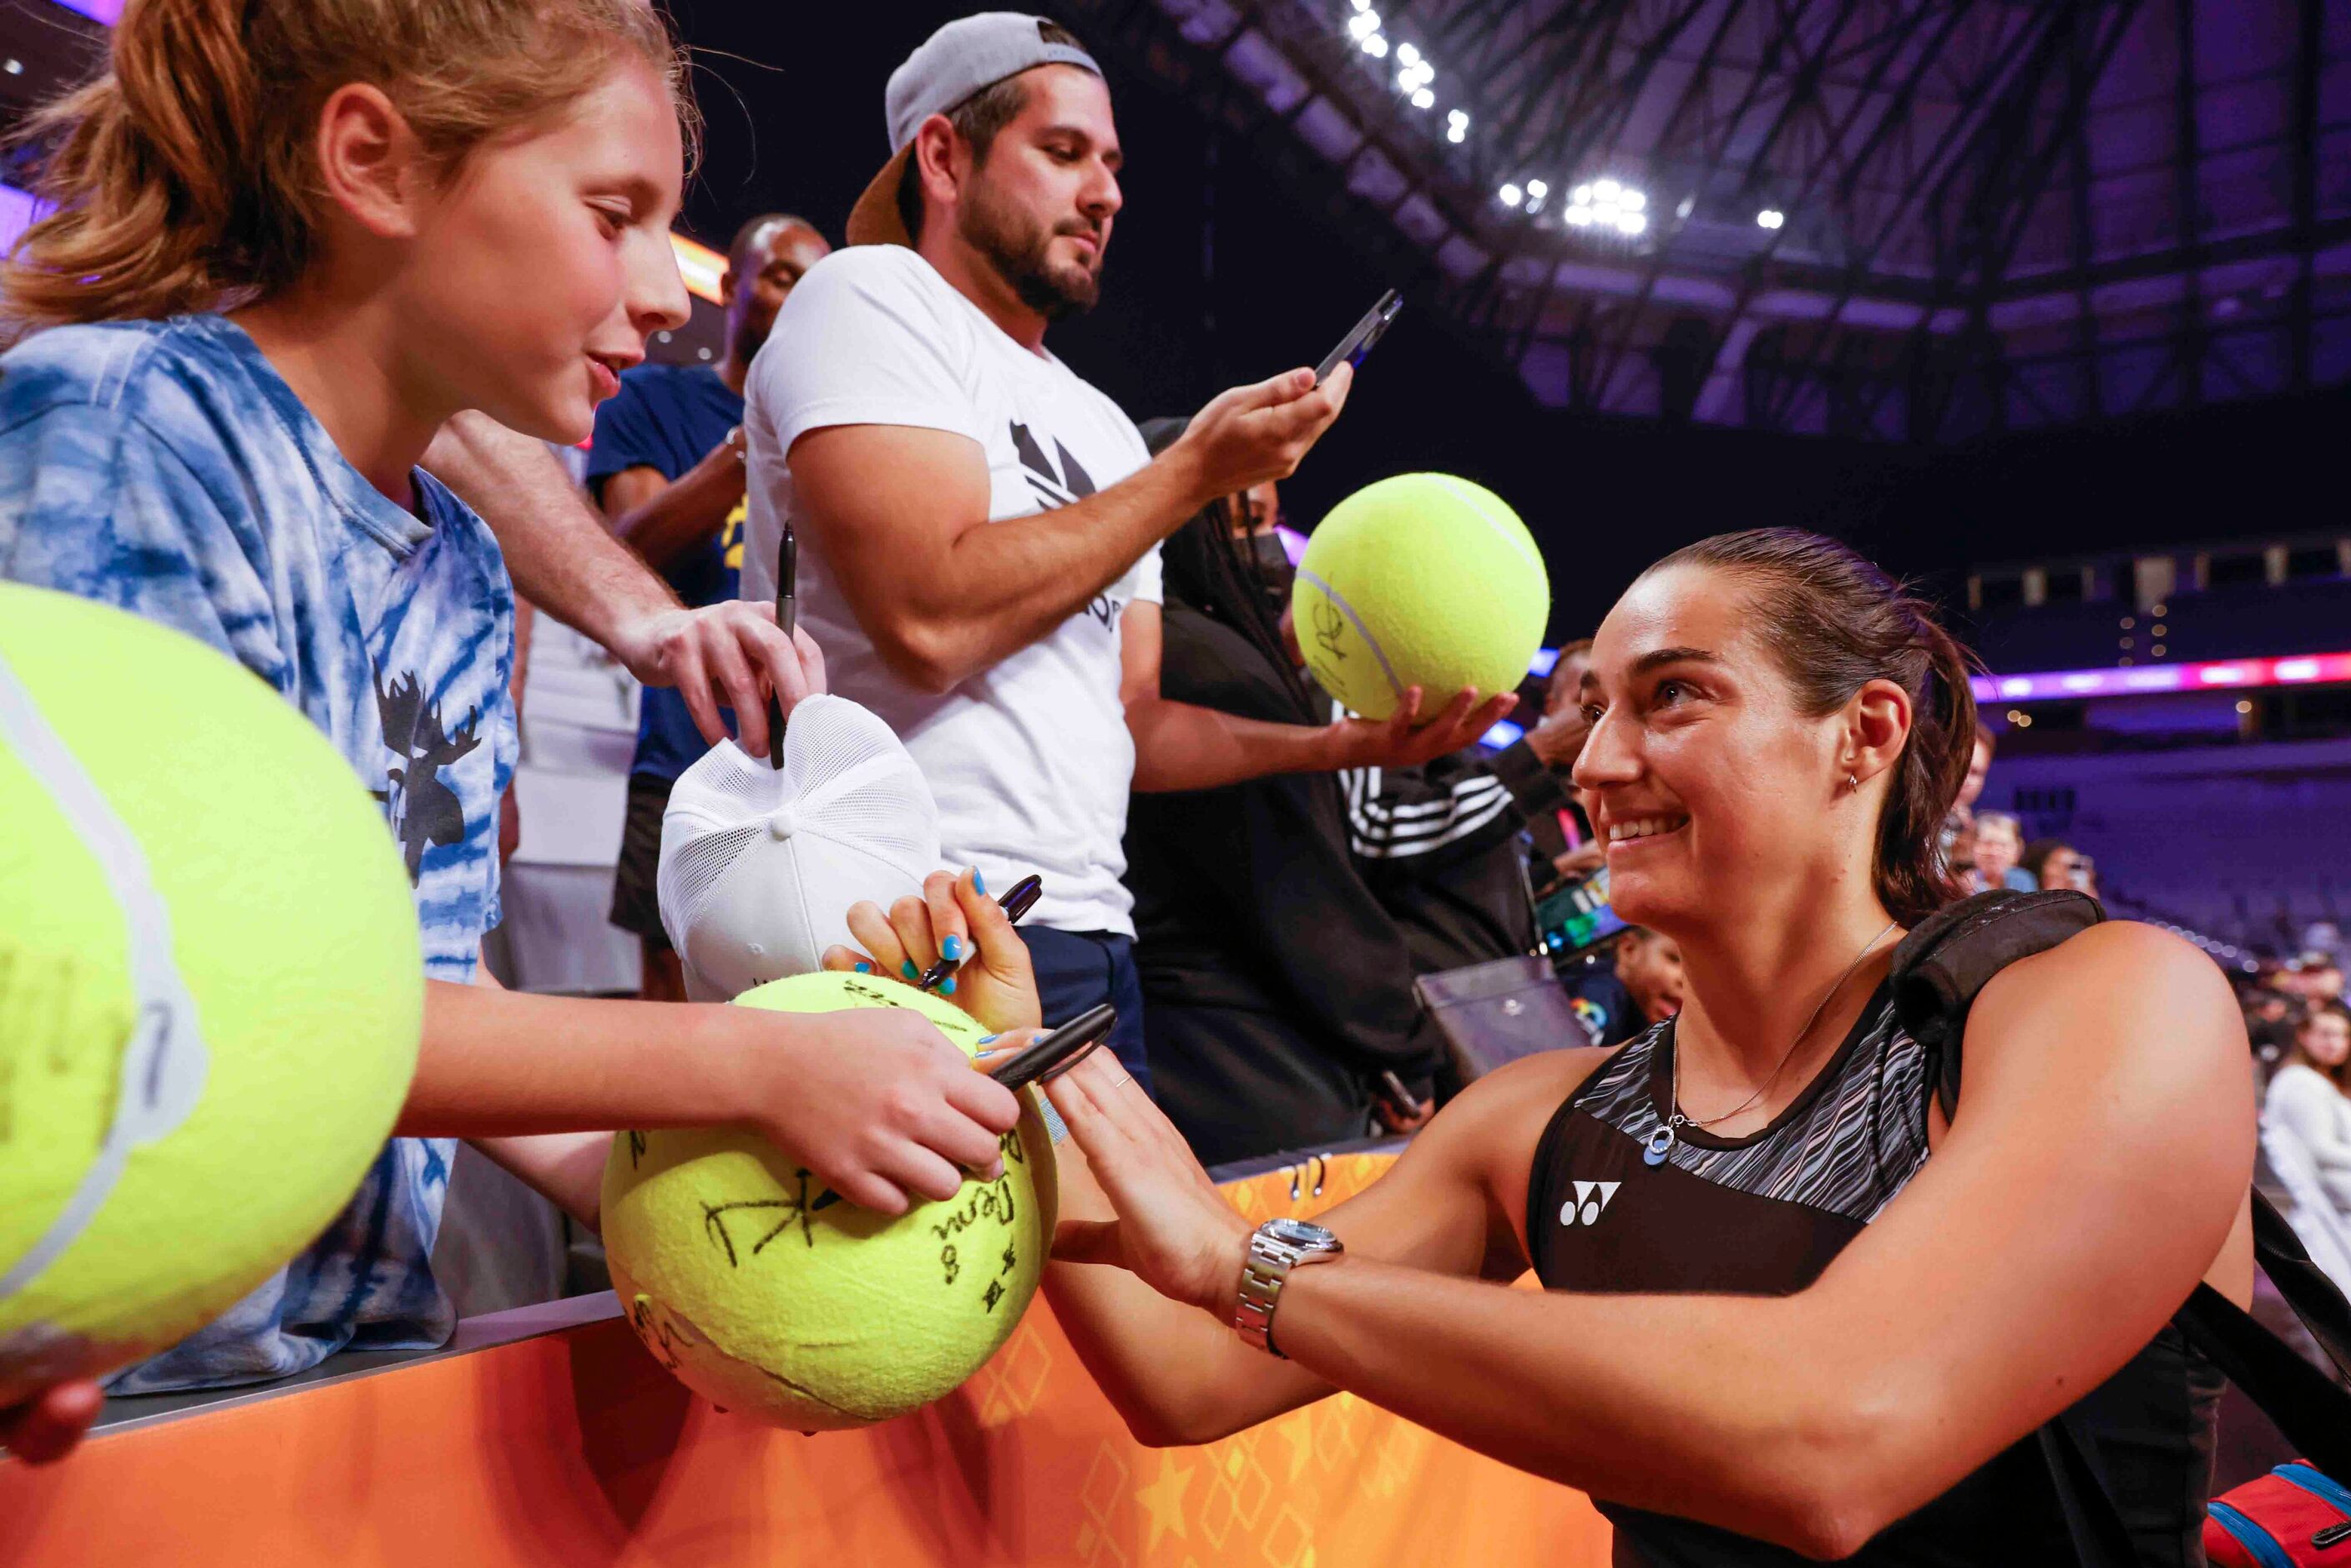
[[1662, 1141]]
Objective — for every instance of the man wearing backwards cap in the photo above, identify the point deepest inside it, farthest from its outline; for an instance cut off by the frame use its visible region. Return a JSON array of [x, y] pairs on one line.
[[979, 528]]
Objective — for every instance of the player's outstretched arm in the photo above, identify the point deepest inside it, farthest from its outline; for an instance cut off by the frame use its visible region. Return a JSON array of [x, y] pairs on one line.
[[2087, 1185], [1175, 1369]]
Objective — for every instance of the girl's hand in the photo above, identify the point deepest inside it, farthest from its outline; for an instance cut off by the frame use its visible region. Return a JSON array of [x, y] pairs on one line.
[[956, 919], [1174, 1230]]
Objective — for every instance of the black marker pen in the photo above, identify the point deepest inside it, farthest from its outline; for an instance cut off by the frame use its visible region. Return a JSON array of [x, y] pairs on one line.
[[1018, 900]]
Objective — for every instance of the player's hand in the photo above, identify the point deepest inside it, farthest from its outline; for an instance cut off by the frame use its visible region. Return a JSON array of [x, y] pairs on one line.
[[731, 653], [955, 918], [878, 1104], [1174, 1230], [44, 1428], [1253, 433], [1405, 739]]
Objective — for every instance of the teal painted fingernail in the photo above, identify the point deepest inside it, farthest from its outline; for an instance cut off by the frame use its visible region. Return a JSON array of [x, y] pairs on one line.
[[908, 969], [952, 949], [947, 986], [978, 882], [863, 968]]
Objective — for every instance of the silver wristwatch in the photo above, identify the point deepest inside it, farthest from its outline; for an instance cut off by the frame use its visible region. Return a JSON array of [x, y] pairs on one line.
[[1277, 1246]]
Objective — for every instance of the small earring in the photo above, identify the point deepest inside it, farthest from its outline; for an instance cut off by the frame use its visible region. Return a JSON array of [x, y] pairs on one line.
[[1852, 784]]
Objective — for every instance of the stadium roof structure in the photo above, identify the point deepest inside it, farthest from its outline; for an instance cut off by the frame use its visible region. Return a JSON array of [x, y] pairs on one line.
[[1908, 220]]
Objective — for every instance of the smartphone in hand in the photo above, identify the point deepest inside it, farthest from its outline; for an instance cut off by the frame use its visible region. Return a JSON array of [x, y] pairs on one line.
[[1357, 344]]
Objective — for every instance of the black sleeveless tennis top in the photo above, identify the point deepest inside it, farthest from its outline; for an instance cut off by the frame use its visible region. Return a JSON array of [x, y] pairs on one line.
[[1763, 1215]]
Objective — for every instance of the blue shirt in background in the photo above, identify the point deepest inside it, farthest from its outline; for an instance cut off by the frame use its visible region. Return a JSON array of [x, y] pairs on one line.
[[667, 418], [165, 468]]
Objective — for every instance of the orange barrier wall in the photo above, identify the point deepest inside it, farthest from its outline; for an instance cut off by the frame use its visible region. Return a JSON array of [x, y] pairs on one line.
[[574, 1447]]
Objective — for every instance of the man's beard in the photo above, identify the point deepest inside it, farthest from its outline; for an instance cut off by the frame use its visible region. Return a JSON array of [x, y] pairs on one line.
[[1016, 246]]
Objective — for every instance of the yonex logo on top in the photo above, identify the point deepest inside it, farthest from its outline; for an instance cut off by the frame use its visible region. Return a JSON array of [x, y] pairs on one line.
[[1591, 1200]]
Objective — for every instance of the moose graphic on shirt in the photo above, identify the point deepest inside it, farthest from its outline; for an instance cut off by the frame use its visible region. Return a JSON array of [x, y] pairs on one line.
[[1058, 485], [427, 811]]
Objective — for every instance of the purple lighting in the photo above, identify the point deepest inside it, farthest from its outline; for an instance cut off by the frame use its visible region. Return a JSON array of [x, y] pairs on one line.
[[2213, 675], [15, 215], [107, 11]]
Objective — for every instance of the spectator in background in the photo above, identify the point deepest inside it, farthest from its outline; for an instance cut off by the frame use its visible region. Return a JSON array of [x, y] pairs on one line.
[[2321, 979], [1275, 987], [979, 528], [2053, 864], [1440, 841], [666, 467], [2271, 1019], [1999, 845], [1955, 839], [1564, 845], [1642, 987], [2307, 1102], [1972, 788]]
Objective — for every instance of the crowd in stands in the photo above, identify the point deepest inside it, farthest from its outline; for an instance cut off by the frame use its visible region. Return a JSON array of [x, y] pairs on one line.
[[2301, 1035]]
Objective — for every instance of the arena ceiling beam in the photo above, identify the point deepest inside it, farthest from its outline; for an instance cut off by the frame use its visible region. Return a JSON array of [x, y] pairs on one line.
[[1914, 220]]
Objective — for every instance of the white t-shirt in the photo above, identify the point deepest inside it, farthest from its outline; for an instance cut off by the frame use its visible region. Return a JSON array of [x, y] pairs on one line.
[[1031, 760]]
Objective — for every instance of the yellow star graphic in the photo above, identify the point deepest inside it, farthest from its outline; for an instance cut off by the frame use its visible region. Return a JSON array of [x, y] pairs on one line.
[[1162, 1500]]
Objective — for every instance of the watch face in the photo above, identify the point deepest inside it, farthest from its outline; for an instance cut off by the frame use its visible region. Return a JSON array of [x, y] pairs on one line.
[[1297, 1233]]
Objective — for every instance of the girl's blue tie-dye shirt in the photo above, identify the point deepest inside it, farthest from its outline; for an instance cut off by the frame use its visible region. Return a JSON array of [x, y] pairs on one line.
[[165, 467]]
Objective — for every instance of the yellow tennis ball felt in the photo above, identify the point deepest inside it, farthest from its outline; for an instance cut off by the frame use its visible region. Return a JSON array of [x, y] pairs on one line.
[[821, 1317], [1425, 581], [211, 986]]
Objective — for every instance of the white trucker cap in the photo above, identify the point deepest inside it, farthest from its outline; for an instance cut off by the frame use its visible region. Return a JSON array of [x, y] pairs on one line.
[[759, 867]]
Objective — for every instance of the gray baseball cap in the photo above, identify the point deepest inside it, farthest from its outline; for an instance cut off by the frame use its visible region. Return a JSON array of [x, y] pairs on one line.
[[961, 58]]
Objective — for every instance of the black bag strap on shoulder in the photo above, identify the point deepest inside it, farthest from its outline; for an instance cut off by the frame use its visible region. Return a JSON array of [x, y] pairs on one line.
[[1952, 955], [1937, 972]]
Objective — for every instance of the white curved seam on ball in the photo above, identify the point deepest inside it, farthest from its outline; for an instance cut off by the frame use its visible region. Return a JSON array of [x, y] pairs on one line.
[[162, 1076], [1347, 610], [1475, 505]]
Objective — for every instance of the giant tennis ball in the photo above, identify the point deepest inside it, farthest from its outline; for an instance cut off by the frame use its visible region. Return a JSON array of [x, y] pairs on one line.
[[821, 1317], [211, 989], [1419, 580]]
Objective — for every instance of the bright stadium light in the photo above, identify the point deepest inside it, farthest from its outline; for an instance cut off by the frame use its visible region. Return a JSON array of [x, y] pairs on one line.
[[1407, 54], [1424, 99], [1375, 47], [1537, 189], [1770, 218], [1363, 24], [1608, 203], [1511, 195]]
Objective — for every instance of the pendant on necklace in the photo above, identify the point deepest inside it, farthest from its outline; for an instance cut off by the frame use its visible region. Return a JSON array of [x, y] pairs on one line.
[[1660, 1142]]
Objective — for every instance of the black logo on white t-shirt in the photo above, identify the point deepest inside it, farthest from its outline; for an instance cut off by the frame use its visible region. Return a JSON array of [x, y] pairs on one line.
[[1058, 485], [1055, 487]]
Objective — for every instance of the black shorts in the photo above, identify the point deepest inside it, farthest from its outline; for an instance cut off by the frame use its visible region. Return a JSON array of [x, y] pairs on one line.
[[636, 905]]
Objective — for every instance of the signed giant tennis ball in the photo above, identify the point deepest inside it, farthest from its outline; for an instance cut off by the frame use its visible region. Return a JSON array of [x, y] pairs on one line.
[[1420, 581], [211, 990], [821, 1317]]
